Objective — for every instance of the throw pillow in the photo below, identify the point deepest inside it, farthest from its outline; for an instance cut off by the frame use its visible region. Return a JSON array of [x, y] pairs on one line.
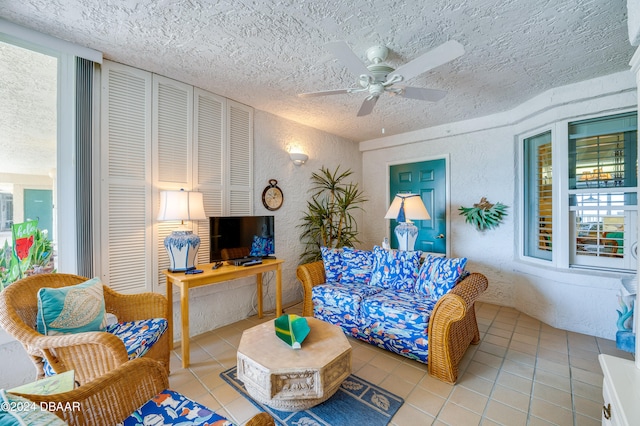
[[358, 265], [73, 309], [332, 259], [438, 275], [395, 269], [261, 246]]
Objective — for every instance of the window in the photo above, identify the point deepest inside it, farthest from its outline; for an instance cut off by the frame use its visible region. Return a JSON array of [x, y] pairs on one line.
[[596, 184], [602, 190], [538, 193]]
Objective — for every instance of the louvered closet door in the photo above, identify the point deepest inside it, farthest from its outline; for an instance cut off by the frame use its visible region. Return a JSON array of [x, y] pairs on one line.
[[240, 127], [172, 154], [208, 137], [125, 164]]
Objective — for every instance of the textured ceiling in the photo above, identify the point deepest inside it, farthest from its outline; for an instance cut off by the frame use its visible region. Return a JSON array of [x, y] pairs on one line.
[[263, 52]]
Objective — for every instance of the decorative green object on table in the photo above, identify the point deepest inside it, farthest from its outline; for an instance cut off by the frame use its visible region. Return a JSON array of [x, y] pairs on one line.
[[291, 329]]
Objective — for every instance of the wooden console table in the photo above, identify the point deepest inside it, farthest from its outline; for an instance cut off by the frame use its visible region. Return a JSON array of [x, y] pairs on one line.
[[216, 276]]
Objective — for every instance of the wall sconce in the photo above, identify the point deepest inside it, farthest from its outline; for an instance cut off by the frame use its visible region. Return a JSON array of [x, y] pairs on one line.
[[298, 158]]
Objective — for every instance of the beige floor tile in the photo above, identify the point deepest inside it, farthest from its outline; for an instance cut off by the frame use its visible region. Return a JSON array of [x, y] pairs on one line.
[[518, 368], [476, 384], [521, 357], [411, 373], [512, 398], [384, 362], [523, 337], [496, 340], [469, 399], [225, 394], [553, 367], [551, 412], [553, 380], [425, 401], [523, 347], [436, 386], [552, 395], [372, 374], [593, 377], [515, 382], [499, 332], [588, 407], [559, 345], [397, 385], [410, 415], [453, 414], [483, 370], [586, 390], [504, 414], [582, 420], [491, 360]]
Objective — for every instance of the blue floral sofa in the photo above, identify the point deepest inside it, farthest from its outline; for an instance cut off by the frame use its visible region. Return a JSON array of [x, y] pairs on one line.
[[419, 308]]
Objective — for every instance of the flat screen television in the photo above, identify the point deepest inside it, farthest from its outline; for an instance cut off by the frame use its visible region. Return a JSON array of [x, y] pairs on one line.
[[235, 237]]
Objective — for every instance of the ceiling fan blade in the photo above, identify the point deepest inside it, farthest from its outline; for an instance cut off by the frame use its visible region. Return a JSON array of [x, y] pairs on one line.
[[432, 95], [323, 93], [367, 106], [442, 54], [344, 54]]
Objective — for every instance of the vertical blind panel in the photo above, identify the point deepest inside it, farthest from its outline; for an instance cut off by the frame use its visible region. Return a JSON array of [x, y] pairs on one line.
[[209, 138], [164, 229], [173, 134], [84, 171], [240, 140], [127, 235], [127, 130]]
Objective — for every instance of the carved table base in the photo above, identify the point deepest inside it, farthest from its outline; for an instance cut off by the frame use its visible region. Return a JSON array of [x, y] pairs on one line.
[[293, 379]]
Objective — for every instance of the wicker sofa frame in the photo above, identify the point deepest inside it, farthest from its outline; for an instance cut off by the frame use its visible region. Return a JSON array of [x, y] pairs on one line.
[[452, 324], [90, 354]]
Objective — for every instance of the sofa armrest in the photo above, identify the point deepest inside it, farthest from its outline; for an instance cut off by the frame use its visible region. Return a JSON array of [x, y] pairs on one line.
[[453, 326], [310, 275]]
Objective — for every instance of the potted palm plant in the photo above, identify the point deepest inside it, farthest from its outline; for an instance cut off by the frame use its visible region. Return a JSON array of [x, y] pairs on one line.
[[329, 221]]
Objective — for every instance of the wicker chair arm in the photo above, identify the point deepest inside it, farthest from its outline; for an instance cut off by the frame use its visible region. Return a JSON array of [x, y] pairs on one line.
[[453, 326], [90, 354], [310, 275], [133, 307], [110, 398]]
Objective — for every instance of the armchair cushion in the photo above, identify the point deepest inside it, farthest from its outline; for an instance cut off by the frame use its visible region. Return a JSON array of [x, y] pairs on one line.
[[395, 269], [72, 309], [171, 408]]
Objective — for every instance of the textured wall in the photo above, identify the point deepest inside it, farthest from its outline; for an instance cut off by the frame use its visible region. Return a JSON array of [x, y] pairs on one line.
[[214, 306], [483, 162]]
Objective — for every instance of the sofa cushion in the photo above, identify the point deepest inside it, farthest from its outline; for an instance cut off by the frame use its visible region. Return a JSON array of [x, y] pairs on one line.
[[340, 303], [398, 321], [172, 408], [438, 275], [395, 269], [357, 266], [72, 309], [332, 260]]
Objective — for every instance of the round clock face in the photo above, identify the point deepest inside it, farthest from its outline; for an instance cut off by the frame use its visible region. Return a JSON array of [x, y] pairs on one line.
[[272, 197]]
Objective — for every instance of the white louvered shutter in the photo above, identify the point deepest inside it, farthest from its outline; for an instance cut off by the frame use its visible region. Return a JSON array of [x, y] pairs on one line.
[[240, 160], [172, 140], [125, 168], [208, 144]]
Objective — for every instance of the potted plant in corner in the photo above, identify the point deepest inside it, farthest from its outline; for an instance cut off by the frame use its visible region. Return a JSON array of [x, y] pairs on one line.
[[328, 220]]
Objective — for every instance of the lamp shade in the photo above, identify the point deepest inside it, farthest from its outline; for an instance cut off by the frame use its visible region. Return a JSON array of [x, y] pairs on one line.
[[407, 206], [181, 205], [404, 208]]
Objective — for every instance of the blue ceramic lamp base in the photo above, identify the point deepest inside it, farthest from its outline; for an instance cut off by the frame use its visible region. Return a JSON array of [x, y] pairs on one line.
[[182, 247]]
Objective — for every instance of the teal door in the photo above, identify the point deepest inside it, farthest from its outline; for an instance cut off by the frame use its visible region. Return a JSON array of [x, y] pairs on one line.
[[427, 178], [38, 204]]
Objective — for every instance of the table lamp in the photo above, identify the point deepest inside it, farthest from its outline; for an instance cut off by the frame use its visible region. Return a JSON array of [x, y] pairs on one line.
[[182, 244], [404, 208]]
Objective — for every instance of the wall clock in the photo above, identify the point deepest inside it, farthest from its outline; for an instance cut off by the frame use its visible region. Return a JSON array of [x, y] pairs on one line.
[[272, 197]]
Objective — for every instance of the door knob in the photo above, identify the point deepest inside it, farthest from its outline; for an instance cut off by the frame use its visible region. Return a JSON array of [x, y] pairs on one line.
[[440, 236]]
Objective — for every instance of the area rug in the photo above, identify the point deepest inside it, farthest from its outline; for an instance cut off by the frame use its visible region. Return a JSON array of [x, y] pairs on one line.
[[357, 402]]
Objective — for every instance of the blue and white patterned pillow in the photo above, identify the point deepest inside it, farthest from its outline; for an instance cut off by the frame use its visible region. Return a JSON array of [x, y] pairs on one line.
[[358, 265], [438, 275], [261, 246], [333, 266], [395, 269]]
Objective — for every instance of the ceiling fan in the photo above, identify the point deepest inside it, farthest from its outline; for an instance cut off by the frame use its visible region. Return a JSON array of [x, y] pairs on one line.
[[378, 77]]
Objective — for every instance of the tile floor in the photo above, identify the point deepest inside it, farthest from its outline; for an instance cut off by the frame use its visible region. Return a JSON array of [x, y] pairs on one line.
[[523, 372]]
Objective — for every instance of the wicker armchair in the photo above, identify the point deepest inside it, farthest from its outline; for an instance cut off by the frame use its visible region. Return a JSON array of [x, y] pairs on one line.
[[110, 399], [90, 354]]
